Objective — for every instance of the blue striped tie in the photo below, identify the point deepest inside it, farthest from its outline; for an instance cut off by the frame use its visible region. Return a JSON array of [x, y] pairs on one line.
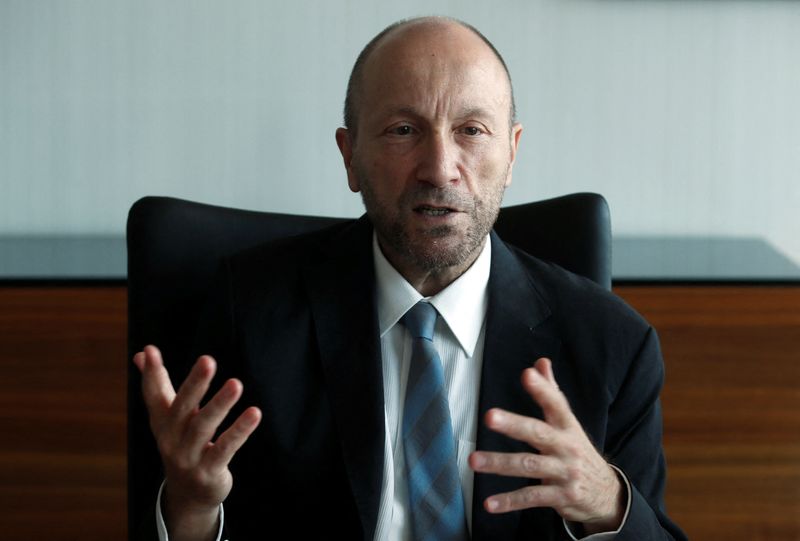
[[434, 488]]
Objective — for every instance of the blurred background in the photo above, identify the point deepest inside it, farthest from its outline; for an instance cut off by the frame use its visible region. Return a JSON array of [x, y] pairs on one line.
[[683, 113]]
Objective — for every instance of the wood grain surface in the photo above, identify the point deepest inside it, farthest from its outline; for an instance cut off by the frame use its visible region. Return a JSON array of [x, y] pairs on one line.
[[731, 407], [731, 410], [62, 413]]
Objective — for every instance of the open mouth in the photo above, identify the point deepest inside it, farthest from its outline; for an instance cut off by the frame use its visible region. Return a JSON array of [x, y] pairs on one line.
[[433, 211]]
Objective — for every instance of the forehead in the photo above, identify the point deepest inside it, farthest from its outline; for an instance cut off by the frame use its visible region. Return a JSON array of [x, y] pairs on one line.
[[438, 67]]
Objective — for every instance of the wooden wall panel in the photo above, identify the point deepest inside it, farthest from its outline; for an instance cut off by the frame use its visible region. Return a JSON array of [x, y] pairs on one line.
[[731, 407], [62, 413], [731, 410]]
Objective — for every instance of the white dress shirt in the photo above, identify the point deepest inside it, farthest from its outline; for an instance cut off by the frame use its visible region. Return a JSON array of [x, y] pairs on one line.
[[458, 338]]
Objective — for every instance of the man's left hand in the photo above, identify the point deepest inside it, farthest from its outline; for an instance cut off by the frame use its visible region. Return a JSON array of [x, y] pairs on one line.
[[575, 480]]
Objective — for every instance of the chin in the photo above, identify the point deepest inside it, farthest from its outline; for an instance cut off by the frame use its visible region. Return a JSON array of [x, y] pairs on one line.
[[442, 252]]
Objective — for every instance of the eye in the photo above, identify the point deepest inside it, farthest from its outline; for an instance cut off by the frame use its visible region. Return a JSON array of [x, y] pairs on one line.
[[471, 130], [402, 129]]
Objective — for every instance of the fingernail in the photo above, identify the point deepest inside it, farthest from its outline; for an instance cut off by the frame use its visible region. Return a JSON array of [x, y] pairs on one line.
[[492, 504], [228, 391], [250, 422], [478, 460], [496, 417]]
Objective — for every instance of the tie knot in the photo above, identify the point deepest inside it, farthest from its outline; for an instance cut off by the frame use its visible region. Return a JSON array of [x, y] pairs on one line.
[[420, 320]]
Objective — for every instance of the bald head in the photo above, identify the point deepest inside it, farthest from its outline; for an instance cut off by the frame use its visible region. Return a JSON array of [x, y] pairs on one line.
[[408, 33]]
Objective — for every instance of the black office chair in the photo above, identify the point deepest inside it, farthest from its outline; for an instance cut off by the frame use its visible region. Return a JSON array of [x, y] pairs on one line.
[[174, 247]]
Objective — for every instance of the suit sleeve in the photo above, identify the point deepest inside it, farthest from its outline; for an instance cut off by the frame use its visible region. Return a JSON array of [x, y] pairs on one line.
[[633, 444]]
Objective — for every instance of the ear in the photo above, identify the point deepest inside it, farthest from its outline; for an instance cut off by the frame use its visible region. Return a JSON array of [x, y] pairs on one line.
[[344, 140], [516, 133]]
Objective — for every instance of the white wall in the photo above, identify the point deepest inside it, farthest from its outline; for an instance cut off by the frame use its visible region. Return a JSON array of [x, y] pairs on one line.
[[685, 114]]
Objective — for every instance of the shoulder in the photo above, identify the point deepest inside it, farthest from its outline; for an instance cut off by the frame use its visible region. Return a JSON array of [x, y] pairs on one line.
[[567, 293], [294, 250], [283, 260], [590, 321], [277, 278]]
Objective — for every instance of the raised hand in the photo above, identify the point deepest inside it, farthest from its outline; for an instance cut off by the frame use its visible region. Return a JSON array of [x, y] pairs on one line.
[[197, 474], [575, 480]]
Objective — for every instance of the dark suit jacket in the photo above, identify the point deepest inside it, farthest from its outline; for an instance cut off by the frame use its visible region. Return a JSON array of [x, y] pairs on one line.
[[297, 323]]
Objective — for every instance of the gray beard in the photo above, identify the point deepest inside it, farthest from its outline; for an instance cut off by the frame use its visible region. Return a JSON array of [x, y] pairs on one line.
[[434, 253]]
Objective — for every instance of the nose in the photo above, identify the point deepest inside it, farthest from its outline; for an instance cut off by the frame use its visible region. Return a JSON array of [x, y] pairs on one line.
[[438, 163]]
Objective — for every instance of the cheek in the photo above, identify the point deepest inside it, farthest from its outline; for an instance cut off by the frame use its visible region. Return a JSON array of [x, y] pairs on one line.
[[488, 170], [390, 175], [380, 182]]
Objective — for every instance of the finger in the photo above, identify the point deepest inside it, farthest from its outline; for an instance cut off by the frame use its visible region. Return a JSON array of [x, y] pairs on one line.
[[205, 423], [534, 432], [525, 498], [157, 389], [545, 367], [222, 451], [194, 388], [547, 394], [139, 360], [518, 465]]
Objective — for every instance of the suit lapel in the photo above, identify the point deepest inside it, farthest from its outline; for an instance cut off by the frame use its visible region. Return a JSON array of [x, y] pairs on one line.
[[518, 332], [342, 298]]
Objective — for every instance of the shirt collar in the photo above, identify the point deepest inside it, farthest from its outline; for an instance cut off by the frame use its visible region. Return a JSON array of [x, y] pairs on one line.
[[462, 304]]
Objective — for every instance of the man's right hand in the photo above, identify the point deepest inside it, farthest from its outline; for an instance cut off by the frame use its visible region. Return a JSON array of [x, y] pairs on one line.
[[198, 478]]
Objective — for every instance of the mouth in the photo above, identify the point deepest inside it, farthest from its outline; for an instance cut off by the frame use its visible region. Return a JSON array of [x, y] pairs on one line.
[[430, 210]]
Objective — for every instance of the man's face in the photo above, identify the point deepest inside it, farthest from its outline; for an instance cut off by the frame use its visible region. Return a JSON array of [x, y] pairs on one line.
[[434, 150]]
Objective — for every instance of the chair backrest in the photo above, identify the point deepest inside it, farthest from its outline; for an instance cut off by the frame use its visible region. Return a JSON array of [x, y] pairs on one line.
[[174, 247]]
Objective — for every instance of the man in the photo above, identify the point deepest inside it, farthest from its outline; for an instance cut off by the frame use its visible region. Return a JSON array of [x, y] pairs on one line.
[[315, 330]]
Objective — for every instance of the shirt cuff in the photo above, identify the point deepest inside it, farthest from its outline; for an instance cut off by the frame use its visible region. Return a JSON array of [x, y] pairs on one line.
[[161, 526], [605, 536]]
